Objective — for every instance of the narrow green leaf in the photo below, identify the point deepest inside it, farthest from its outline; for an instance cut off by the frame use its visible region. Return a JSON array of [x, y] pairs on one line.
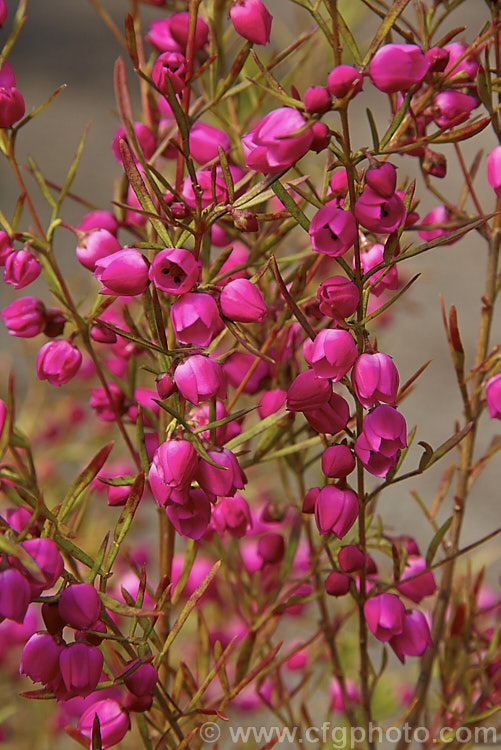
[[40, 108], [83, 480], [130, 39], [125, 520], [71, 173], [254, 431], [450, 444], [245, 655], [223, 421], [188, 562], [8, 424], [401, 112], [98, 559], [374, 133], [291, 303], [44, 188], [393, 13], [190, 435], [427, 455], [349, 38], [230, 187], [291, 205], [15, 550], [123, 609], [435, 542]]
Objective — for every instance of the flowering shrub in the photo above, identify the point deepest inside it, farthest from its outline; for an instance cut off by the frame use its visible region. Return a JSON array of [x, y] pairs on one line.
[[238, 281]]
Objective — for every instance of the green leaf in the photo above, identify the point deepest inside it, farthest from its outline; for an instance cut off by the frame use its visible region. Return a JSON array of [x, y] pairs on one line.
[[71, 174], [450, 444], [124, 609], [245, 655], [374, 133], [435, 542], [126, 517], [8, 424], [291, 303], [252, 432], [15, 550], [40, 108], [291, 205], [223, 420], [83, 480], [401, 112], [44, 188], [188, 562]]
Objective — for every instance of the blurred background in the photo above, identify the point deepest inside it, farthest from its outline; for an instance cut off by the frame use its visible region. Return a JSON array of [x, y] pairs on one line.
[[64, 41]]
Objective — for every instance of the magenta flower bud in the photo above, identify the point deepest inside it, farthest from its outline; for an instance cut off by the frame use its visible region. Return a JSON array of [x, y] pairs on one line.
[[332, 231], [142, 680], [238, 364], [317, 100], [251, 20], [375, 463], [337, 584], [493, 396], [5, 247], [169, 66], [195, 319], [384, 615], [165, 385], [17, 518], [352, 693], [7, 77], [494, 169], [339, 183], [271, 548], [310, 499], [382, 178], [337, 461], [192, 518], [138, 705], [452, 107], [52, 621], [124, 273], [420, 586], [223, 481], [103, 335], [378, 214], [232, 514], [48, 558], [174, 270], [375, 378], [414, 638], [173, 467], [206, 183], [438, 57], [438, 215], [330, 418], [3, 12], [117, 496], [25, 317], [271, 402], [80, 666], [79, 605], [204, 140], [343, 80], [14, 595], [279, 140], [351, 558], [385, 430], [338, 297], [243, 301], [307, 391], [336, 511], [397, 67], [40, 658], [99, 220], [200, 378], [105, 408], [144, 136], [114, 722], [380, 280], [333, 354], [58, 362], [54, 322], [97, 245], [434, 163], [12, 106], [321, 137], [21, 268], [171, 34], [468, 66]]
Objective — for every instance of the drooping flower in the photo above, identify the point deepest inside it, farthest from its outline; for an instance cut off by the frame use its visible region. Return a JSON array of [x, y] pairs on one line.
[[332, 231], [280, 139], [398, 67], [252, 20]]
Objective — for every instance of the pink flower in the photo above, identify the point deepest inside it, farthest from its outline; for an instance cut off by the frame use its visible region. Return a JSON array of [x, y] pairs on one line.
[[271, 548], [493, 396], [238, 364], [337, 461], [321, 137], [173, 467], [40, 658], [317, 100], [307, 391], [382, 178], [338, 297], [332, 231], [438, 215], [420, 586], [333, 354], [12, 106], [343, 80], [79, 605], [397, 67], [3, 12], [107, 408], [192, 518], [200, 378], [251, 20], [174, 270], [171, 34], [232, 514], [375, 463], [145, 138], [6, 247], [330, 418], [205, 182], [204, 140], [351, 558], [25, 317], [195, 319], [494, 169], [97, 245], [48, 558], [223, 481], [142, 680], [14, 595], [375, 378], [384, 614], [114, 722], [336, 511], [99, 220], [378, 214], [271, 402], [21, 268], [58, 362], [386, 278], [468, 66], [169, 67], [385, 430], [279, 140], [452, 107], [124, 273], [80, 665], [238, 256], [223, 433], [352, 693], [414, 638], [243, 301], [337, 584]]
